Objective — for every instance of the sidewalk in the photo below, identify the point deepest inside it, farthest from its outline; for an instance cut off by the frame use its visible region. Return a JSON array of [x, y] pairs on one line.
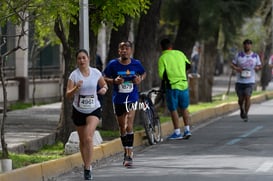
[[30, 129], [221, 84]]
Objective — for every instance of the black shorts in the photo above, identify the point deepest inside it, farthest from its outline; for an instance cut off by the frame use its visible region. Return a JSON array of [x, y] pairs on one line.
[[244, 89], [120, 109], [79, 119]]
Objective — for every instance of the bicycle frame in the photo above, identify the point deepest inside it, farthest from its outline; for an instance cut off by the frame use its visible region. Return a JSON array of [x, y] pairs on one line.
[[152, 124]]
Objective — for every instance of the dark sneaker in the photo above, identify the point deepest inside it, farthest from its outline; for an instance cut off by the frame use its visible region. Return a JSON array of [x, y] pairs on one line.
[[128, 162], [242, 114], [187, 134], [88, 175], [124, 157], [245, 118]]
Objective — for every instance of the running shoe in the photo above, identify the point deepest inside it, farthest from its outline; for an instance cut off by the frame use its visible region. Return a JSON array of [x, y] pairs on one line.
[[124, 158], [128, 161], [245, 118], [242, 114], [88, 174], [187, 134], [175, 136]]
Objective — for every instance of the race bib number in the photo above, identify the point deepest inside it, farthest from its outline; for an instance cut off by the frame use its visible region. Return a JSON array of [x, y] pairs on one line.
[[246, 73], [86, 102], [126, 87]]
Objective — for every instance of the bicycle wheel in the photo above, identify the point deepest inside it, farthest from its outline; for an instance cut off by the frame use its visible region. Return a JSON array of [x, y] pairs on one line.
[[157, 129], [152, 125]]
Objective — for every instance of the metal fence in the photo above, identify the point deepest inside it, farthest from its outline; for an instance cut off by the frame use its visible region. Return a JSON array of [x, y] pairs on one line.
[[44, 72]]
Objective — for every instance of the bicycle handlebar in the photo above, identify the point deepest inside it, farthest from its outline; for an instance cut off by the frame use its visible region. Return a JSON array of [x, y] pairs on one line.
[[149, 92]]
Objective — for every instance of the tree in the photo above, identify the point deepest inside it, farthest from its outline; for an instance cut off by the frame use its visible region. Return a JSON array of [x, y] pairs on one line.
[[18, 15], [117, 35], [146, 49], [220, 32], [188, 28], [267, 18], [147, 44]]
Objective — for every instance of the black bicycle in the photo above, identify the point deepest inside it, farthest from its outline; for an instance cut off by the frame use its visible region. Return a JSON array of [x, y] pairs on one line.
[[151, 123]]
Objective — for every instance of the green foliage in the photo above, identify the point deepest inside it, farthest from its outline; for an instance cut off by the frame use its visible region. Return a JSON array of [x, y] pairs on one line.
[[230, 15], [218, 100], [254, 30], [24, 105], [9, 11], [42, 14], [45, 154], [164, 119], [221, 19], [48, 12], [108, 134], [20, 105], [113, 11]]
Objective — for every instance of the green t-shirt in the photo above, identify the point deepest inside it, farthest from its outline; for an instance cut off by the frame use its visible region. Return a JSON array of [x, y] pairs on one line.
[[174, 63]]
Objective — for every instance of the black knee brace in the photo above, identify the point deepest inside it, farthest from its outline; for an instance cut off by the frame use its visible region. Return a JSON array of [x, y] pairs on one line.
[[124, 140], [130, 139]]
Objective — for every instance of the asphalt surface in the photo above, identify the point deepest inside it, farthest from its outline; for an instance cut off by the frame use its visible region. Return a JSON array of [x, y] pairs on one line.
[[223, 149]]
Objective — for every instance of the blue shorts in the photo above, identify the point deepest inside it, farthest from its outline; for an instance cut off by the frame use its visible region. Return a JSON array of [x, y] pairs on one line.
[[244, 89], [177, 99]]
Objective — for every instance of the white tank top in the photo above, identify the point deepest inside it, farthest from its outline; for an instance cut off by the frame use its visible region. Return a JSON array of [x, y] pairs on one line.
[[86, 99]]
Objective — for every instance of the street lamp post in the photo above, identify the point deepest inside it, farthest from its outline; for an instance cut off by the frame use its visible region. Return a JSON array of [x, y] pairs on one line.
[[272, 25], [84, 25]]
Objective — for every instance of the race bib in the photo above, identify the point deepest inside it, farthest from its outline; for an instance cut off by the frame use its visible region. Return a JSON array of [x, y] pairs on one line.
[[246, 73], [86, 102], [126, 87]]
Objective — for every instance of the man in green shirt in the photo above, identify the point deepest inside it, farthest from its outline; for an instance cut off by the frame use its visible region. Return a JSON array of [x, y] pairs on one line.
[[172, 69]]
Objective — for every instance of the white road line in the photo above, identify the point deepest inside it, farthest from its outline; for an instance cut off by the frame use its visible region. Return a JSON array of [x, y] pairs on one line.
[[265, 167], [234, 141]]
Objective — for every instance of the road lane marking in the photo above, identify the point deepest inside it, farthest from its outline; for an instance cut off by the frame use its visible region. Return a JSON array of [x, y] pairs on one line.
[[265, 167], [236, 140]]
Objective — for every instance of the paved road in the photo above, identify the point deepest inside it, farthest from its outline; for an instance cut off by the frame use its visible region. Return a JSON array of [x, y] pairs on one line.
[[223, 149]]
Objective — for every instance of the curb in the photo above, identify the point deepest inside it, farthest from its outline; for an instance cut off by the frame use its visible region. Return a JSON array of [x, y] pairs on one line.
[[34, 145], [51, 169]]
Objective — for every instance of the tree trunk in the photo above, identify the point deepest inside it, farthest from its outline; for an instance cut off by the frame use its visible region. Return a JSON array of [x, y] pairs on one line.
[[4, 145], [122, 34], [266, 73], [66, 125], [207, 67], [93, 39], [187, 33], [146, 50], [93, 48], [146, 45]]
